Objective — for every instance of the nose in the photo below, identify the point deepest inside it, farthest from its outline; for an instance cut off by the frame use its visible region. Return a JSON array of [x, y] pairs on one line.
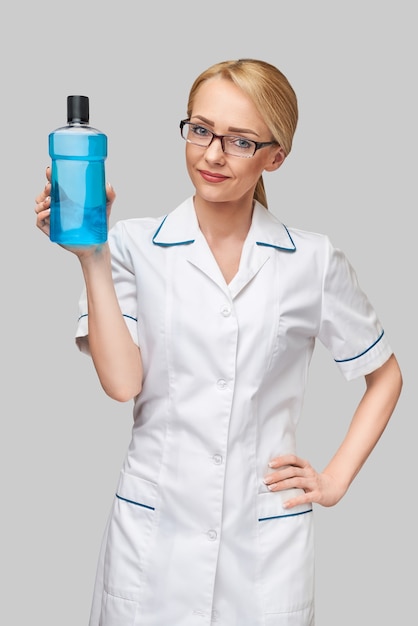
[[214, 151]]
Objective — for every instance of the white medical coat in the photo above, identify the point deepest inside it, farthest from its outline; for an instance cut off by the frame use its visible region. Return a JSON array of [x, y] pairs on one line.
[[194, 536]]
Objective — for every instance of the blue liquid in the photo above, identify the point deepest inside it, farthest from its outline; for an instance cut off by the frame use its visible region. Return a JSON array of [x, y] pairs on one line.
[[78, 191]]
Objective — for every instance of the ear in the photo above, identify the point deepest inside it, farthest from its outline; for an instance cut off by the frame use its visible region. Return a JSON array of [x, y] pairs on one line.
[[276, 160]]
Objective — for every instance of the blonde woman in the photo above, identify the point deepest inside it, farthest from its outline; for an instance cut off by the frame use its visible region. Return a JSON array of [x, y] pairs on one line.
[[207, 318]]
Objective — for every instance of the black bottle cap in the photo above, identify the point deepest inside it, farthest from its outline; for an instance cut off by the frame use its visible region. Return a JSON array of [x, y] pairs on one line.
[[78, 109]]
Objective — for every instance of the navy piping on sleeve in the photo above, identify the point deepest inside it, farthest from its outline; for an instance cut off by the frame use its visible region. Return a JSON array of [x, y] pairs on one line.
[[144, 506], [353, 358], [131, 317], [124, 315]]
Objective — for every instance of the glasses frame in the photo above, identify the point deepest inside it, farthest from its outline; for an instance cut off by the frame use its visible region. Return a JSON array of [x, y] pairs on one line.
[[257, 144]]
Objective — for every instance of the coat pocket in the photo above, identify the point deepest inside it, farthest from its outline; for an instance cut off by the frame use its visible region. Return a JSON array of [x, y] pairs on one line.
[[305, 617], [286, 567], [117, 611], [129, 536]]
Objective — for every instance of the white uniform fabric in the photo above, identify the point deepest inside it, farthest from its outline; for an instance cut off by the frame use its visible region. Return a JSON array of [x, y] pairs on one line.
[[194, 536]]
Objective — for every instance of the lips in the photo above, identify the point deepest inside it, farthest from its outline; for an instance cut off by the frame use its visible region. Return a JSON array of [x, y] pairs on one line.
[[210, 177]]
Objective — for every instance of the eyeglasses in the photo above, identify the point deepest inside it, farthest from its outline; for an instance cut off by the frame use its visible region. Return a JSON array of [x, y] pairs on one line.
[[231, 144]]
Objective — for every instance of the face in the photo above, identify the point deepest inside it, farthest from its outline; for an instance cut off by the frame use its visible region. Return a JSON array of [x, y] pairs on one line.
[[221, 107]]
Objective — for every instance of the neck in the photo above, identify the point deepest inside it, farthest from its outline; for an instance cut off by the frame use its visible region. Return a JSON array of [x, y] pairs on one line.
[[218, 220], [225, 227]]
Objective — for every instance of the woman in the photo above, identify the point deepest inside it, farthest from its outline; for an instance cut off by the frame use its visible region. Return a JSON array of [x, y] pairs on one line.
[[207, 318]]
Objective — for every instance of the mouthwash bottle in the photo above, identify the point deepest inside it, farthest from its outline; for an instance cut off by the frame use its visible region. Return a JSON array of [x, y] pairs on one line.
[[78, 185]]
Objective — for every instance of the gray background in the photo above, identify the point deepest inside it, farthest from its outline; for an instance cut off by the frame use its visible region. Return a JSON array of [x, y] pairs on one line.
[[352, 174]]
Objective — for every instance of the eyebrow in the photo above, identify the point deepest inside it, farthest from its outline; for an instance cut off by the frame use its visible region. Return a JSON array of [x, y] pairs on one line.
[[232, 129]]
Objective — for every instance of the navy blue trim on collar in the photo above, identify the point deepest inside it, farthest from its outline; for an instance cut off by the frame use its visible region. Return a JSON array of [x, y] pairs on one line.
[[270, 245], [167, 245]]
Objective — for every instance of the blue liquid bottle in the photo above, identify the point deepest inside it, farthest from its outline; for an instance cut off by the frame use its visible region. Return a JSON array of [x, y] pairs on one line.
[[78, 185]]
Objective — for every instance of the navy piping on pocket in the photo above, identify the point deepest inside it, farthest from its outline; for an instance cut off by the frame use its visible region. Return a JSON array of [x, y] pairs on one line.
[[265, 519], [353, 358], [144, 506]]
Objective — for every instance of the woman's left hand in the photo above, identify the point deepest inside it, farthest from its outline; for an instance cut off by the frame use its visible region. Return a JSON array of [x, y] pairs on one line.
[[290, 472]]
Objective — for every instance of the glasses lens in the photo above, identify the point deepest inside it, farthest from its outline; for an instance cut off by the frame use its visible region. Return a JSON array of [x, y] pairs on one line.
[[239, 146], [196, 134]]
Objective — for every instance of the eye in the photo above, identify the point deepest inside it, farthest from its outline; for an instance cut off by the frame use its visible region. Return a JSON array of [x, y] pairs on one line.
[[200, 131], [241, 143]]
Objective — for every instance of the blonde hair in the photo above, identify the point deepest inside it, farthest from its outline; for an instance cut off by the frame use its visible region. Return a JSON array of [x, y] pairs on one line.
[[271, 93]]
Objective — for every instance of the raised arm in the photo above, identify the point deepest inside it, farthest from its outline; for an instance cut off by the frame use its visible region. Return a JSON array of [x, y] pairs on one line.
[[115, 356]]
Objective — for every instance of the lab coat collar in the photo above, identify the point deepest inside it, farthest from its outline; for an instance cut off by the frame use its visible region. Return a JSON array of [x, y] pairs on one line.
[[267, 230], [180, 227]]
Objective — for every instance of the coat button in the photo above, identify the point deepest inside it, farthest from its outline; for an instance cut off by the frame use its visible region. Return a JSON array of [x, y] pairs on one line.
[[212, 534], [226, 310], [217, 459], [221, 384]]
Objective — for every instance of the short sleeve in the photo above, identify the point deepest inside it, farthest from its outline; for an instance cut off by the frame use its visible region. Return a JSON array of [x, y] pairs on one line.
[[125, 286], [350, 328]]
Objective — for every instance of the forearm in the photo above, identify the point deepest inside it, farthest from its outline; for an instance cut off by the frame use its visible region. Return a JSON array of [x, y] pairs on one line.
[[115, 356], [369, 421]]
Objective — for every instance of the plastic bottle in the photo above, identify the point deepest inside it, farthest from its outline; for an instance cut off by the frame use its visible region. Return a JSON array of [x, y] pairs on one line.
[[78, 184]]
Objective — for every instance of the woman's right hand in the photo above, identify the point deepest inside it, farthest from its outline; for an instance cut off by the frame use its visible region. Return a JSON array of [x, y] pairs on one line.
[[42, 206], [42, 210]]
